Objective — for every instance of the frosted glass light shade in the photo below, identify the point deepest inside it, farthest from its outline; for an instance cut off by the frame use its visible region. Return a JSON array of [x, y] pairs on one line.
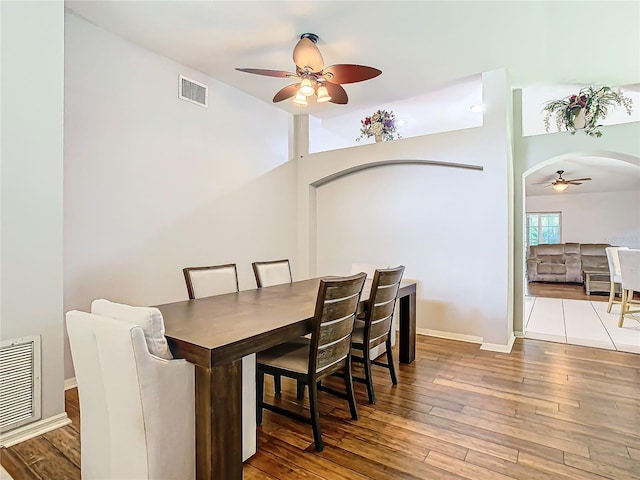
[[306, 88], [323, 94], [300, 99]]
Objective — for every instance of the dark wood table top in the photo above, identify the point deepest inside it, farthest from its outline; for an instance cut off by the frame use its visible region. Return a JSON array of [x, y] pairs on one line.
[[215, 330]]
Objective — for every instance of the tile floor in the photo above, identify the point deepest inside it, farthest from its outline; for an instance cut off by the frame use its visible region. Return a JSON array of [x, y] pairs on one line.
[[580, 322]]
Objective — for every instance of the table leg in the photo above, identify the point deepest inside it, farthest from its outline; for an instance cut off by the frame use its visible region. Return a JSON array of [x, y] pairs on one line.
[[219, 422], [587, 283], [408, 328]]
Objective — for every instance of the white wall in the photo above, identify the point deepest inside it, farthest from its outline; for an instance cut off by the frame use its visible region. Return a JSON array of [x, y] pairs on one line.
[[154, 184], [612, 217], [31, 184], [448, 226]]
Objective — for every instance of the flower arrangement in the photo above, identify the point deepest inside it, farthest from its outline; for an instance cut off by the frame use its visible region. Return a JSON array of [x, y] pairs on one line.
[[381, 125], [584, 110]]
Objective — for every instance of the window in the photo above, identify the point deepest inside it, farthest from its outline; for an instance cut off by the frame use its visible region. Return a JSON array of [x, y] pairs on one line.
[[543, 228]]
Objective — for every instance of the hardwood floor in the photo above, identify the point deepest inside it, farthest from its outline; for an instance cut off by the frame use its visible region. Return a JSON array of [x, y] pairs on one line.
[[545, 411], [571, 291]]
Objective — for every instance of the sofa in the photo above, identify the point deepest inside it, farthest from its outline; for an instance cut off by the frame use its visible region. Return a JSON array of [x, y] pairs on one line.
[[565, 262]]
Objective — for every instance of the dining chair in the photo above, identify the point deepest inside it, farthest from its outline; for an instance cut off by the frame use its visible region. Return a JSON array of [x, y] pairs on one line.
[[328, 351], [137, 409], [375, 328], [630, 280], [614, 273], [219, 280], [370, 270], [275, 272], [210, 281]]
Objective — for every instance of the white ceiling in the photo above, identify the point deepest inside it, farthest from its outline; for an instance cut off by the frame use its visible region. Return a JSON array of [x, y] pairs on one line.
[[419, 45]]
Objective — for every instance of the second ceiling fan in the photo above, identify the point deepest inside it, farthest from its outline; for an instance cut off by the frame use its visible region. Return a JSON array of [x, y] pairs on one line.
[[560, 184], [314, 78]]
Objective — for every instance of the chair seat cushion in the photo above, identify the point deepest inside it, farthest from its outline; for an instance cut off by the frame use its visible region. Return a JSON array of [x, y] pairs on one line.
[[292, 356]]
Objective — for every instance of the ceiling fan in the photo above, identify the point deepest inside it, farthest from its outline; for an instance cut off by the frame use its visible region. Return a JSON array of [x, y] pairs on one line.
[[560, 184], [313, 78]]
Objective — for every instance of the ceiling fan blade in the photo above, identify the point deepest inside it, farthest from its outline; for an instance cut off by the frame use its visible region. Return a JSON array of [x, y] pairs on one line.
[[348, 73], [337, 93], [307, 56], [578, 180], [574, 183], [287, 92], [268, 73]]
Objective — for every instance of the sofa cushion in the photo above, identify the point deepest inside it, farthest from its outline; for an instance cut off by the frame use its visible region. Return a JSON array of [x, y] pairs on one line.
[[597, 249], [554, 268], [591, 261], [551, 259], [550, 249]]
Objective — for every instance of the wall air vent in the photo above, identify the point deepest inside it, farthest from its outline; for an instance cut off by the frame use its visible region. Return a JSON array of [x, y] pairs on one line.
[[20, 382], [193, 92]]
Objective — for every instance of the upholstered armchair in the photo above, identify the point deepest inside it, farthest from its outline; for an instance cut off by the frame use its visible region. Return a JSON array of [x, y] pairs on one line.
[[137, 409]]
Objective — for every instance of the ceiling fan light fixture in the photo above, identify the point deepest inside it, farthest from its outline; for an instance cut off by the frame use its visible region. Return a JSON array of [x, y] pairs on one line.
[[323, 94], [300, 99], [306, 88], [560, 187]]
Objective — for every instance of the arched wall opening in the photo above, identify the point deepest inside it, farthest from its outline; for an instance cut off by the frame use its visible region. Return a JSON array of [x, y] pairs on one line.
[[559, 161]]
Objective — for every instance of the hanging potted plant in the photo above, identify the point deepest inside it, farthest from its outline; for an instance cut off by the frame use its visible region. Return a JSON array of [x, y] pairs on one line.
[[585, 110]]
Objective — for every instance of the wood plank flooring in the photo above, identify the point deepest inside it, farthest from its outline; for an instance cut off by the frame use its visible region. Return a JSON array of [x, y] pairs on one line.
[[545, 411], [571, 291]]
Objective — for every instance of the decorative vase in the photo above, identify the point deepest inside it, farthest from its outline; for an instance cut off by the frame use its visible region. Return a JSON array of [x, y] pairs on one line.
[[579, 119], [378, 137]]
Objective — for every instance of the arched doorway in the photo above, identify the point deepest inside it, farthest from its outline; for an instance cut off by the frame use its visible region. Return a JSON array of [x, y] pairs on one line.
[[603, 210]]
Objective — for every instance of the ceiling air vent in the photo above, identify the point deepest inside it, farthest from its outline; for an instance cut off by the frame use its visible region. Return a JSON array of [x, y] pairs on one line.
[[193, 92]]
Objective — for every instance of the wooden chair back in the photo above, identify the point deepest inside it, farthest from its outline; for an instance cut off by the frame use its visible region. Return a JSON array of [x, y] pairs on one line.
[[382, 302], [334, 318]]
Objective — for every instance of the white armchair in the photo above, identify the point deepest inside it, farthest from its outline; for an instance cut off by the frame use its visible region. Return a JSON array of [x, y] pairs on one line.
[[137, 409]]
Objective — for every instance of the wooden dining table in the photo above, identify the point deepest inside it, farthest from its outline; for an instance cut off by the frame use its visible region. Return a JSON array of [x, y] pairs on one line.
[[214, 333]]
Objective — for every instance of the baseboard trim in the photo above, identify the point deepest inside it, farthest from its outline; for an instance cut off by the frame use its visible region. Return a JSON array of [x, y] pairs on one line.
[[519, 334], [70, 383], [20, 434], [449, 335], [498, 347]]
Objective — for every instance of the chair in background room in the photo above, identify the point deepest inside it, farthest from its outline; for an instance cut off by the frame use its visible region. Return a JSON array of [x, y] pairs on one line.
[[614, 273], [275, 272], [136, 408], [630, 280], [375, 328], [328, 351], [210, 281], [219, 280]]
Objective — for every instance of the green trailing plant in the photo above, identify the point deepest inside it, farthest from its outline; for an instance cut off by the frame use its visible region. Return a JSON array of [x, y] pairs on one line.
[[591, 104]]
